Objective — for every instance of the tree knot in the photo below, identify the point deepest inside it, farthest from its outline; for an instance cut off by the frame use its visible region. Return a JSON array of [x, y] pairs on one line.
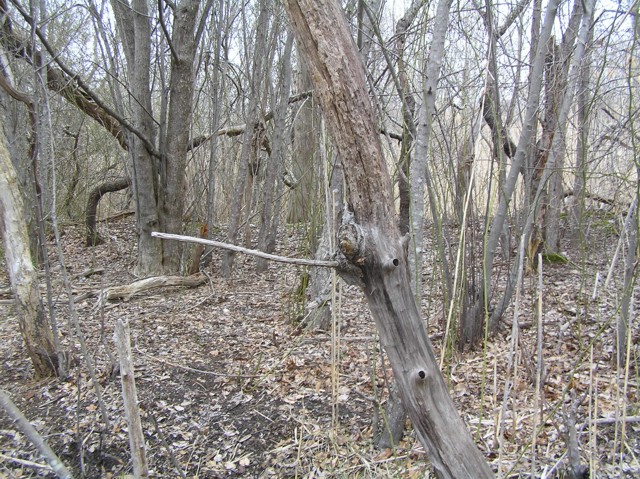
[[351, 249], [351, 242]]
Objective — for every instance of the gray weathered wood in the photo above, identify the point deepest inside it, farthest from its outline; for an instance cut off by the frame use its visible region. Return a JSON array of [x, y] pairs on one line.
[[373, 251], [130, 397], [36, 439]]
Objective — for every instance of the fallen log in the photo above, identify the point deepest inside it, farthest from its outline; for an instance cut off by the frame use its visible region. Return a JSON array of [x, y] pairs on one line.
[[127, 291]]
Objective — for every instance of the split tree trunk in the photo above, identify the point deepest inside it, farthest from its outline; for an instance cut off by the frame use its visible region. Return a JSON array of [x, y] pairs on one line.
[[373, 252]]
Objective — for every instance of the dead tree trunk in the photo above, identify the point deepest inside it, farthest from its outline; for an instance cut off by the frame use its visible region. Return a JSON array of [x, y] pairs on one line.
[[122, 339], [371, 249], [93, 238]]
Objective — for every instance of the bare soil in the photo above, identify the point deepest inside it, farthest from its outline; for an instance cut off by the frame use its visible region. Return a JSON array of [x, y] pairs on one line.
[[230, 385]]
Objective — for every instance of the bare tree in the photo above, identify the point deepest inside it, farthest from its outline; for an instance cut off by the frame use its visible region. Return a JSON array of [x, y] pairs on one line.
[[250, 136], [183, 44], [304, 157], [134, 24], [632, 227], [556, 150], [546, 234], [372, 251], [479, 308], [276, 158]]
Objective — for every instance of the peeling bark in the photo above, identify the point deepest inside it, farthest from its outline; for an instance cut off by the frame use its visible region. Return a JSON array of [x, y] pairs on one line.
[[34, 327]]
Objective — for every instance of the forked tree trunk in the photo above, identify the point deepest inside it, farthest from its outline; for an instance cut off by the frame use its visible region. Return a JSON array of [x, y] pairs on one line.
[[134, 25], [373, 252]]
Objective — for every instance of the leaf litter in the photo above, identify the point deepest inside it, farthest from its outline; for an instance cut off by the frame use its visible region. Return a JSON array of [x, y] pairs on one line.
[[231, 386]]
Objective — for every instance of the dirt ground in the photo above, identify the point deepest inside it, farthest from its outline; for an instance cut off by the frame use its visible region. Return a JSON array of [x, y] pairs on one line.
[[231, 386]]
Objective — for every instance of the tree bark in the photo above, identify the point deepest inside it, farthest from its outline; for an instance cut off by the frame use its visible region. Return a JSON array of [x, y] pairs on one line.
[[134, 26], [583, 102], [318, 310], [304, 154], [408, 123], [372, 251], [421, 174], [34, 327], [173, 181], [546, 234]]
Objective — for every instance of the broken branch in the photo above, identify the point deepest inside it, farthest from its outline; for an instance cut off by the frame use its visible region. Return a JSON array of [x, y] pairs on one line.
[[252, 252]]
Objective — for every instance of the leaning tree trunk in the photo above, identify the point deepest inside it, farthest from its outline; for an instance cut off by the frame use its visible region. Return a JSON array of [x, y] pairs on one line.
[[36, 331], [372, 251]]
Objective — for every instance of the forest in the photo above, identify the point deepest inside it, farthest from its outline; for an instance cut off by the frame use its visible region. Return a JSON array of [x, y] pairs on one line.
[[319, 238]]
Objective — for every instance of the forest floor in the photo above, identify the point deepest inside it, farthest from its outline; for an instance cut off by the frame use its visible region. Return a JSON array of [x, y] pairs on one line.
[[231, 386]]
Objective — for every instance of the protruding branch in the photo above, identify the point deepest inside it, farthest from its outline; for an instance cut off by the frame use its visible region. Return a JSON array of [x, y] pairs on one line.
[[252, 252]]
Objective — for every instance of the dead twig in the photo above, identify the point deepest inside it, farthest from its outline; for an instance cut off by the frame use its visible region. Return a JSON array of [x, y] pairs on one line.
[[36, 439], [252, 252], [194, 370]]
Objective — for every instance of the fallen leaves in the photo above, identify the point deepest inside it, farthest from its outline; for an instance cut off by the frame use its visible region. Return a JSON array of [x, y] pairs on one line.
[[238, 390]]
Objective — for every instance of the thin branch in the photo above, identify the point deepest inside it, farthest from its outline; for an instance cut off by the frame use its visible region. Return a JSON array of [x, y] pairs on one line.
[[513, 15], [195, 370], [36, 439], [24, 462], [252, 252], [166, 32], [74, 77]]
